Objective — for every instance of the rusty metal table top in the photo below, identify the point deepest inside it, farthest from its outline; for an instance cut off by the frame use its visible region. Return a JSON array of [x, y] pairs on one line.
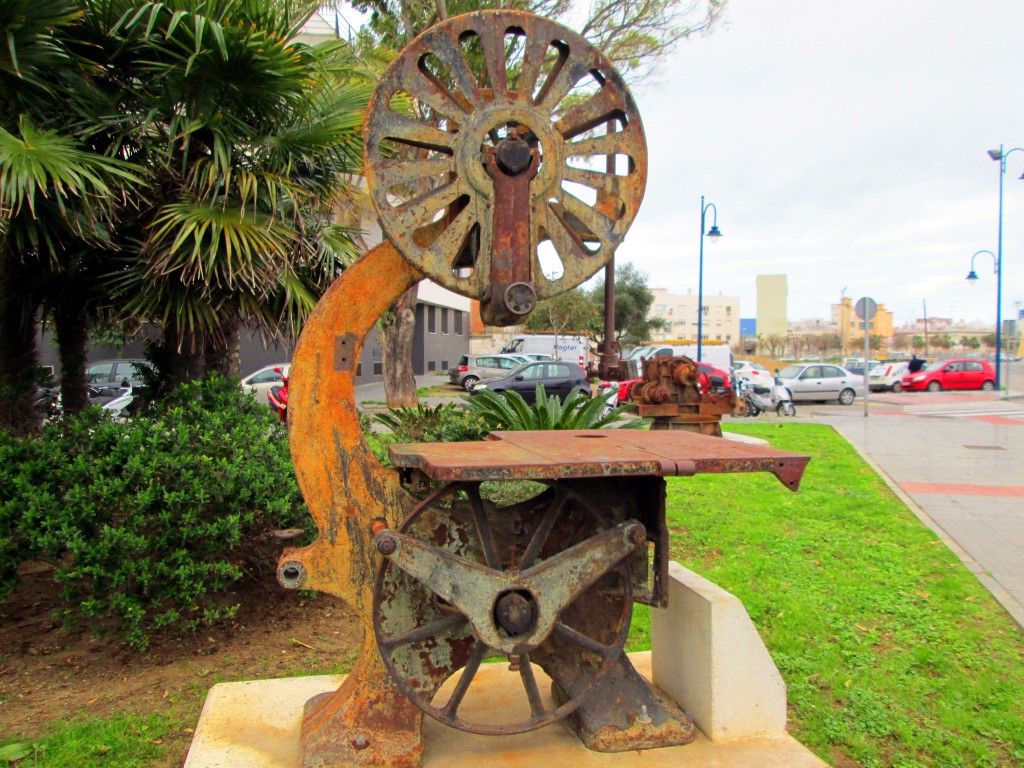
[[594, 453]]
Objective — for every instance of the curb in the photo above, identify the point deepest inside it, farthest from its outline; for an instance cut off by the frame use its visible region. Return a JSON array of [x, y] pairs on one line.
[[1012, 607]]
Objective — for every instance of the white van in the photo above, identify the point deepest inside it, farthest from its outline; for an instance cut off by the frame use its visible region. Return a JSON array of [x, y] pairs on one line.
[[568, 347]]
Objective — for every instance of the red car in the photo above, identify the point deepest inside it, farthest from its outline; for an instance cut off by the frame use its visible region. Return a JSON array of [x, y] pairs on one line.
[[951, 374]]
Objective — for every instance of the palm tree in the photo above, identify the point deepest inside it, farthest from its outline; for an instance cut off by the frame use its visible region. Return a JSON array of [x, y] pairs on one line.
[[248, 134], [57, 192]]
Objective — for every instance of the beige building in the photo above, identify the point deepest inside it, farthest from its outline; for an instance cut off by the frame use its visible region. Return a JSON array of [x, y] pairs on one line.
[[721, 321], [772, 295], [848, 325]]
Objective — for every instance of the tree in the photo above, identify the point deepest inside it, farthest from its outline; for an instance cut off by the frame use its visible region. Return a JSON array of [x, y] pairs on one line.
[[633, 34], [249, 134], [244, 134], [633, 300], [60, 190], [572, 311], [970, 342]]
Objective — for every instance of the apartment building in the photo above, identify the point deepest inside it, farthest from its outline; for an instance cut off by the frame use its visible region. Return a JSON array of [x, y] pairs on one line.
[[720, 322]]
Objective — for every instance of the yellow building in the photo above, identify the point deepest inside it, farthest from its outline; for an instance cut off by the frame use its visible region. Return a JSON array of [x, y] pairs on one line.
[[772, 293], [848, 326]]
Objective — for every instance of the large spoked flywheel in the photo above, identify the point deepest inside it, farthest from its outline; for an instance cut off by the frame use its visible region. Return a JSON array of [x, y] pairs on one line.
[[546, 583], [504, 150]]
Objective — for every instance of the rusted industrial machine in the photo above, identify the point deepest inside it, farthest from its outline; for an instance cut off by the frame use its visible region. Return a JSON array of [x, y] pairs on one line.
[[670, 394], [492, 138]]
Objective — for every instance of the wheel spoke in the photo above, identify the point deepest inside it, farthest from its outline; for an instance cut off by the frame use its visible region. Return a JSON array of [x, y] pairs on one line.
[[420, 210], [598, 109], [406, 171], [533, 60], [621, 143], [598, 224], [450, 54], [483, 528], [540, 535], [415, 133], [530, 685], [430, 629], [602, 650], [492, 39], [468, 673]]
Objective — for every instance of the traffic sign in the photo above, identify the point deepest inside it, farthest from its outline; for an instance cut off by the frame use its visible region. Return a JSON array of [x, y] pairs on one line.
[[866, 308]]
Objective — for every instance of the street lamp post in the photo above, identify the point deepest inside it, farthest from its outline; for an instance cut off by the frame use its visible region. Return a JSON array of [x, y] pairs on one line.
[[1000, 156], [972, 278], [713, 234]]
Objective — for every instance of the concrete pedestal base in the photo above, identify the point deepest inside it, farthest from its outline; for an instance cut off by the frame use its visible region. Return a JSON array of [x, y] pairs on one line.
[[256, 725], [708, 657]]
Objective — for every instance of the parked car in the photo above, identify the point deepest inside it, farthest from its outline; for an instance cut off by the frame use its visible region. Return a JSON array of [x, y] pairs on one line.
[[951, 374], [559, 378], [259, 382], [814, 381], [857, 365], [886, 376], [471, 368], [115, 374], [751, 371]]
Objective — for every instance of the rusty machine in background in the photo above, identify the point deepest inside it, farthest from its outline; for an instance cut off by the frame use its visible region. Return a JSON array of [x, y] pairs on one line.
[[493, 139], [671, 394]]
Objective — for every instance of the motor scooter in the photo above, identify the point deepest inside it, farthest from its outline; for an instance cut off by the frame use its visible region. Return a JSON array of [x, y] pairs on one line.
[[760, 398], [277, 397]]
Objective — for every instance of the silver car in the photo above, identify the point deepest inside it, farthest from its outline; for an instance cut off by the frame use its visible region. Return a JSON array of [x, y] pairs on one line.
[[471, 368], [818, 381]]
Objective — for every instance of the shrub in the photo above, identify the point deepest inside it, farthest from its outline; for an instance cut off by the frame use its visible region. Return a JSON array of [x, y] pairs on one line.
[[148, 520], [509, 411], [444, 423]]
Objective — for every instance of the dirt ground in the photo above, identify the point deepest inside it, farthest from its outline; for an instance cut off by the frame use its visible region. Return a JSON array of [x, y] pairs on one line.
[[50, 672]]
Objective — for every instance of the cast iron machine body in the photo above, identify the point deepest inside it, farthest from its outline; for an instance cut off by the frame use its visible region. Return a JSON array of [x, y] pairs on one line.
[[494, 138]]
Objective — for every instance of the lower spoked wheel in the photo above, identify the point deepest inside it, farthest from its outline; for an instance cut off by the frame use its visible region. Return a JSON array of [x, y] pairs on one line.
[[787, 409], [934, 386], [546, 583], [847, 396]]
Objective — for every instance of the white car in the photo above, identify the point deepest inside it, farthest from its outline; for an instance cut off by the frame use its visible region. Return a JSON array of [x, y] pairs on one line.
[[885, 377], [259, 382], [751, 371]]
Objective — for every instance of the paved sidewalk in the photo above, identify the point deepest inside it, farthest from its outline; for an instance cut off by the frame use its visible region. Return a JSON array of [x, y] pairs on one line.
[[959, 465]]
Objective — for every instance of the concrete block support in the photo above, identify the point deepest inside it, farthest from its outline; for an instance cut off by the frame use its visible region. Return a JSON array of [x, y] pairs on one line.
[[707, 656]]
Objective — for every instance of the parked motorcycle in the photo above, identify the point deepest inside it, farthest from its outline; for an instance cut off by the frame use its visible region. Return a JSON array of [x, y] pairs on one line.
[[277, 397], [760, 398]]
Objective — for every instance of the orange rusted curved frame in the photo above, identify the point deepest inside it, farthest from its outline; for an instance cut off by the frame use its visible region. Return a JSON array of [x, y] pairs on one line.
[[346, 490]]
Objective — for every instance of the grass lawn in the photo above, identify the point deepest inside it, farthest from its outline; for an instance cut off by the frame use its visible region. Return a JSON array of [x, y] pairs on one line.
[[893, 652]]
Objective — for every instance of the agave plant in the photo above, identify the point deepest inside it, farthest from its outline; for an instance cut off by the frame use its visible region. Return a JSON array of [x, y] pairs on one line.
[[509, 411]]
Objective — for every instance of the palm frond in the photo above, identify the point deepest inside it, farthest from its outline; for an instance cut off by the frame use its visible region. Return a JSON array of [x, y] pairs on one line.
[[224, 246], [44, 164]]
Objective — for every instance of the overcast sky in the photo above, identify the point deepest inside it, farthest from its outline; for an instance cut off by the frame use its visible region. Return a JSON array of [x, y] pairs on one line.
[[843, 144]]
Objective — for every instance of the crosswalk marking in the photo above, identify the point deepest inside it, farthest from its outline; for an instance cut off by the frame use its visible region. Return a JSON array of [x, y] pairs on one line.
[[968, 409]]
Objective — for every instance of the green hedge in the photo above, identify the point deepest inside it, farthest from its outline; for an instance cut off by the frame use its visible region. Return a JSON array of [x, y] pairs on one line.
[[147, 521]]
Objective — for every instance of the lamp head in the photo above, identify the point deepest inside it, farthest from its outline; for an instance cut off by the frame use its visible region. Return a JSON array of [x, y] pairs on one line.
[[995, 154], [972, 277], [714, 233]]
